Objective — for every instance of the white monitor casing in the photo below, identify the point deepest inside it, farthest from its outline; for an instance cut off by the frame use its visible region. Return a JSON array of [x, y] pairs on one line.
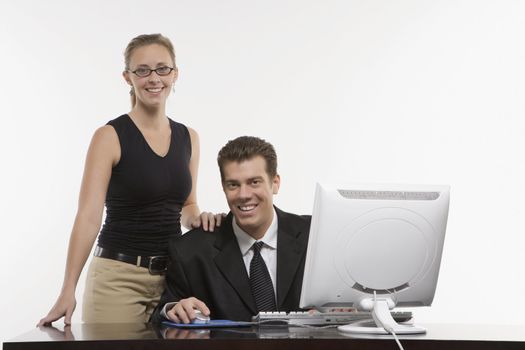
[[383, 238]]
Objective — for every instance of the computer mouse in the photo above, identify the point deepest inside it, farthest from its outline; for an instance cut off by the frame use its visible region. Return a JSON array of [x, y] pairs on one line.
[[200, 318]]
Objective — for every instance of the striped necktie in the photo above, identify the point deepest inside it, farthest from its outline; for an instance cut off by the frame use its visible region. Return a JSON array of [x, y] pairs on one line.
[[261, 282]]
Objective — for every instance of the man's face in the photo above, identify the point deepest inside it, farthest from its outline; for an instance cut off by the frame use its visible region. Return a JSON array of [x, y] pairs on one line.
[[249, 191]]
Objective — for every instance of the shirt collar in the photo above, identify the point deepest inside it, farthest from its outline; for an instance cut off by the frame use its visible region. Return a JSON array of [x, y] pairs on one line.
[[246, 241]]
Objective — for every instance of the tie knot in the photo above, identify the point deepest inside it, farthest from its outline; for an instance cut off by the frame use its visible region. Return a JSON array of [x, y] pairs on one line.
[[257, 246]]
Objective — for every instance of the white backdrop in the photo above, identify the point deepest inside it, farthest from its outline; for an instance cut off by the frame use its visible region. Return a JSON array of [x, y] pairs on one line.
[[417, 91]]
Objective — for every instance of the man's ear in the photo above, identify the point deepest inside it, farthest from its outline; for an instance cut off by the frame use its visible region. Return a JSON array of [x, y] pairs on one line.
[[276, 183]]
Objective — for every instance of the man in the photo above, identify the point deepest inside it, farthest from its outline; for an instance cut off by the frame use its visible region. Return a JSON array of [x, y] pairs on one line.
[[223, 274]]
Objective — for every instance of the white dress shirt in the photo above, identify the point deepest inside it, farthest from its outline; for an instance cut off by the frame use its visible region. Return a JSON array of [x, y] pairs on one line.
[[268, 250]]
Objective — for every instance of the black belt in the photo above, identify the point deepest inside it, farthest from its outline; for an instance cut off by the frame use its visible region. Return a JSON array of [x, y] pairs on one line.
[[155, 264]]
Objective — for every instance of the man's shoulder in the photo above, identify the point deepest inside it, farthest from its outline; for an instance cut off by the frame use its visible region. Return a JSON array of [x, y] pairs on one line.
[[199, 241], [196, 236], [286, 214], [301, 221]]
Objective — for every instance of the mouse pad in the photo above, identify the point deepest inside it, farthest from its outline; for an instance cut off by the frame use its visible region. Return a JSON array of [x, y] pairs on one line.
[[209, 324]]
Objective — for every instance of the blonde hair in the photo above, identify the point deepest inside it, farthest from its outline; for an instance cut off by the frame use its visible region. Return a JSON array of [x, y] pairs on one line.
[[144, 40]]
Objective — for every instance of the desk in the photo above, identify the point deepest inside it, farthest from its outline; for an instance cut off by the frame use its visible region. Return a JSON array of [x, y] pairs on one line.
[[145, 336]]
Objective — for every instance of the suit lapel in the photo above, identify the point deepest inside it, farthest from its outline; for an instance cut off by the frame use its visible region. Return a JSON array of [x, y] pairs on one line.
[[290, 248], [229, 261]]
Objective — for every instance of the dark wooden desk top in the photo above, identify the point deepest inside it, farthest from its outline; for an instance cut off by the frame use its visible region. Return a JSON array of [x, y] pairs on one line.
[[145, 336]]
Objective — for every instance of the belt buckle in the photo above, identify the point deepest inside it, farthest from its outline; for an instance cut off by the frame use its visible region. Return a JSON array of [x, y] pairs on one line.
[[157, 265]]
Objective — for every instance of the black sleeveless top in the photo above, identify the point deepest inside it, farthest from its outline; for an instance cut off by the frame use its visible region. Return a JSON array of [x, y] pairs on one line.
[[146, 191]]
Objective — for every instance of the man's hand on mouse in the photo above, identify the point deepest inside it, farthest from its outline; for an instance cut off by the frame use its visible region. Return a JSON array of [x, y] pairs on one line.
[[184, 311]]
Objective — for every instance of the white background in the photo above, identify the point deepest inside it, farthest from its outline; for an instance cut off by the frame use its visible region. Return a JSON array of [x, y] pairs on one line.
[[409, 91]]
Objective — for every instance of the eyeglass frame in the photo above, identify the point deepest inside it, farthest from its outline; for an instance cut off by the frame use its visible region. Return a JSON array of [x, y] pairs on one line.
[[152, 70]]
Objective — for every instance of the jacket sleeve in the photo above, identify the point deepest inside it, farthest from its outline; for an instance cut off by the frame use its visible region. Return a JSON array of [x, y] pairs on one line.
[[176, 286]]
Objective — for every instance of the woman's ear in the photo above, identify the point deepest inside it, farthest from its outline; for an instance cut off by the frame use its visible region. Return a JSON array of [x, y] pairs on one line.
[[176, 74], [125, 75]]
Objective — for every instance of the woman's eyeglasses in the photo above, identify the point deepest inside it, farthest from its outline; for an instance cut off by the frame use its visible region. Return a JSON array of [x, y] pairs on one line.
[[144, 72]]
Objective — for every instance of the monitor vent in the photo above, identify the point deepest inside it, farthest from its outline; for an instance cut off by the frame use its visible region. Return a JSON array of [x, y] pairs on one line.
[[364, 289], [390, 195]]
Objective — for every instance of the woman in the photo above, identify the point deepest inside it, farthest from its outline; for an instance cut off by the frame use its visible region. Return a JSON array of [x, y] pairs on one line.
[[143, 165]]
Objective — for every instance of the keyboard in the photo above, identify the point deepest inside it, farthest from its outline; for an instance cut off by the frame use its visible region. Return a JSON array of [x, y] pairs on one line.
[[320, 318]]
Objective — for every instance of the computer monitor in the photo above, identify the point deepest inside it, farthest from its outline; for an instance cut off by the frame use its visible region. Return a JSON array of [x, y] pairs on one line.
[[374, 247]]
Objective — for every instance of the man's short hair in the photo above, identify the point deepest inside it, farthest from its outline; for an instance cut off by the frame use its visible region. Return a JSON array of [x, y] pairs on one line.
[[246, 147]]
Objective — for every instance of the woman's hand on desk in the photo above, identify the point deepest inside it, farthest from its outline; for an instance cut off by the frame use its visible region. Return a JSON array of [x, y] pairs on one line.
[[58, 335], [64, 307]]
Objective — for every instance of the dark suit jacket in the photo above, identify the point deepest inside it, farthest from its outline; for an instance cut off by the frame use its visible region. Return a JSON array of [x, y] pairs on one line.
[[209, 266]]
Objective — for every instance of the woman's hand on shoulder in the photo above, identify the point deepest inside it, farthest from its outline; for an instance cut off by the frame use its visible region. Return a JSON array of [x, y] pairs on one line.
[[64, 307], [208, 221]]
